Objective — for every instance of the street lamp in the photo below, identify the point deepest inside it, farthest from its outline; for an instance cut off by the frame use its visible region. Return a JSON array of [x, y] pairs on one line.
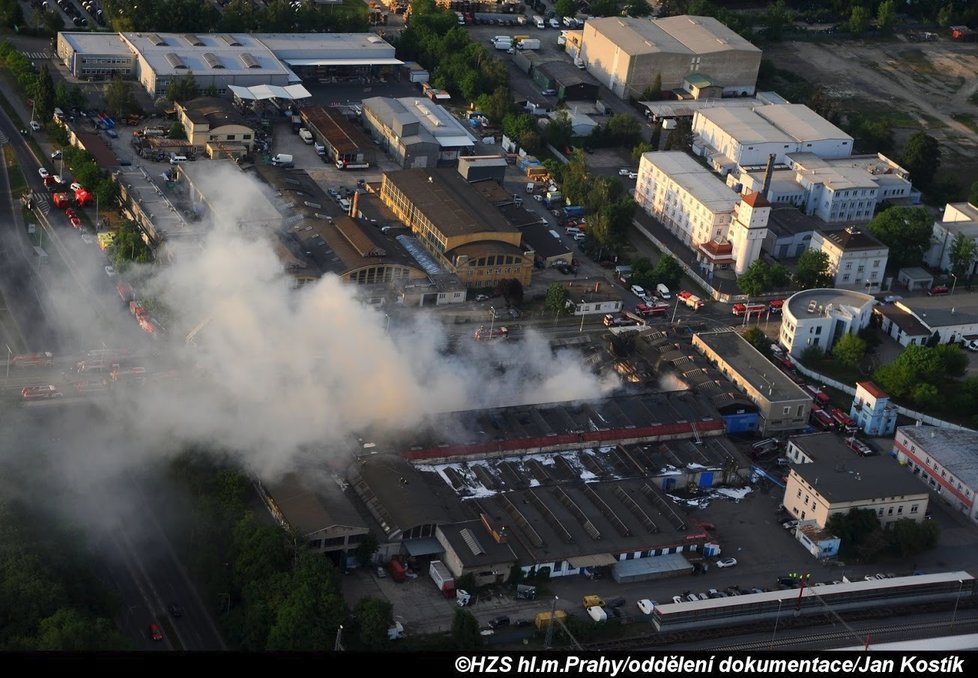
[[676, 310], [955, 282], [776, 620], [954, 614], [582, 316], [387, 325], [492, 319]]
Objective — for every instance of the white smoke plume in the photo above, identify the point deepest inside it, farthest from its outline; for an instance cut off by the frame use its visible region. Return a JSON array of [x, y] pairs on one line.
[[276, 372]]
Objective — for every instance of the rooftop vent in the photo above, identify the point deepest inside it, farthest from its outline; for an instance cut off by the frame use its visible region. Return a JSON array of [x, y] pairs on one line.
[[155, 40], [174, 60], [212, 60], [249, 61], [193, 40], [230, 40]]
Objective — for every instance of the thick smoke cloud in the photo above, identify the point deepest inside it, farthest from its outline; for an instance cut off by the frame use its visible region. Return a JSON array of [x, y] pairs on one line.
[[277, 372]]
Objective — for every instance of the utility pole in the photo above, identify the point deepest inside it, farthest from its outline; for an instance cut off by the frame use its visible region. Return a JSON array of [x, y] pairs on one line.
[[338, 645], [550, 626]]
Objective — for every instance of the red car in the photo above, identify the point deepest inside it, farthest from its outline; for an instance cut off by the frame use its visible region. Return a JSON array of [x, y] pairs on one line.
[[155, 632], [938, 291]]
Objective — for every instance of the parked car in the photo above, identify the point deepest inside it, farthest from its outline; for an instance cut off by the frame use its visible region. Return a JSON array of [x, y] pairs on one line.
[[35, 125], [646, 606], [677, 599], [43, 173], [155, 632], [727, 562], [938, 291], [40, 392]]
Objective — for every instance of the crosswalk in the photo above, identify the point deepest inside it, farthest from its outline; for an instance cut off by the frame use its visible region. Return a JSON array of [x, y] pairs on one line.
[[41, 203], [37, 55]]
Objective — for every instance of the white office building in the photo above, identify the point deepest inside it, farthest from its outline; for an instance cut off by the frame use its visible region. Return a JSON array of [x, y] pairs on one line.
[[729, 137], [834, 189], [821, 317], [723, 229], [856, 259], [958, 218]]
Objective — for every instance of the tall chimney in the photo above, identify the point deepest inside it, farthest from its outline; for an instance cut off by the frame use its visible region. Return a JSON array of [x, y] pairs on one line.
[[767, 175]]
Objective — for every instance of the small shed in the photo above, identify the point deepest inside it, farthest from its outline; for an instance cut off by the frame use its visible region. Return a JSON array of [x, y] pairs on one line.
[[655, 567], [915, 278]]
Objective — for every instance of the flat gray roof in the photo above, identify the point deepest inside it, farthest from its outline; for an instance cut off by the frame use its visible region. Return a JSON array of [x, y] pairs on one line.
[[684, 34], [825, 446], [176, 54], [474, 546], [87, 42], [957, 451], [321, 45], [860, 478], [828, 299], [752, 366], [670, 563], [700, 183], [787, 220], [943, 311], [313, 507]]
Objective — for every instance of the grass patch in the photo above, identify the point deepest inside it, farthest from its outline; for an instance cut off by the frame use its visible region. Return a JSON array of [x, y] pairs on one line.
[[788, 84], [917, 60], [11, 111], [932, 122], [973, 99], [967, 119]]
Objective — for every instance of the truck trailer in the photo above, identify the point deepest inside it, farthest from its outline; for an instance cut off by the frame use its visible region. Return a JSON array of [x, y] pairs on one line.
[[443, 578]]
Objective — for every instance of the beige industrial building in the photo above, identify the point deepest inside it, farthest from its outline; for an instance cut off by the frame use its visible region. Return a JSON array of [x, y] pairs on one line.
[[214, 124], [944, 460], [626, 54], [821, 489], [782, 403]]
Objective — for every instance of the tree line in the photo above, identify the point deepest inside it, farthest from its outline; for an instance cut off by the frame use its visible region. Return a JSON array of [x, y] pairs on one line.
[[238, 16], [50, 598]]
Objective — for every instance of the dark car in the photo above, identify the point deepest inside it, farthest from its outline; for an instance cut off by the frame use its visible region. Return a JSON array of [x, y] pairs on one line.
[[499, 622], [175, 610], [155, 632]]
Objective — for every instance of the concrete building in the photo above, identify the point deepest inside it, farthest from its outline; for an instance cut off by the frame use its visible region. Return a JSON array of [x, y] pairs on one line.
[[475, 168], [825, 447], [789, 231], [321, 514], [592, 298], [732, 137], [725, 230], [818, 490], [821, 317], [847, 189], [570, 82], [215, 126], [626, 54], [915, 320], [459, 224], [221, 60], [470, 548], [345, 144], [857, 260], [782, 404], [872, 410], [548, 248], [946, 460], [416, 132], [959, 218]]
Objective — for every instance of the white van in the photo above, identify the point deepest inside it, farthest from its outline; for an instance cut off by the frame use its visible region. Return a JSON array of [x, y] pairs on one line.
[[530, 187], [573, 231], [174, 158], [538, 21], [345, 205], [663, 291]]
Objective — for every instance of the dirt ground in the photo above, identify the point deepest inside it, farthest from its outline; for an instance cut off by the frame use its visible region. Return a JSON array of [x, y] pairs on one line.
[[929, 82]]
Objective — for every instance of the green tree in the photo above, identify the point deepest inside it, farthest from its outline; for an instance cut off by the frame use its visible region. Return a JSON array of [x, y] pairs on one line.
[[922, 158], [312, 610], [624, 129], [366, 549], [886, 16], [909, 538], [680, 138], [906, 231], [859, 531], [946, 16], [953, 359], [71, 630], [776, 19], [637, 8], [858, 20], [52, 22], [565, 8], [128, 246], [779, 277], [925, 396], [44, 96], [182, 88], [119, 98], [465, 630], [755, 337], [813, 270], [962, 254], [496, 105], [973, 193], [849, 350], [557, 297], [755, 281], [654, 91], [559, 131], [641, 149], [374, 617], [511, 290], [667, 271], [176, 131]]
